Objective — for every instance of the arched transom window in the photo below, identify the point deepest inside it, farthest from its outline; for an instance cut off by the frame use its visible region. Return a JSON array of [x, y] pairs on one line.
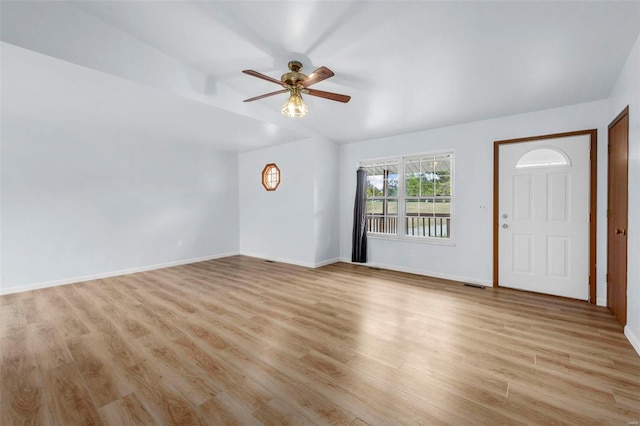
[[543, 157]]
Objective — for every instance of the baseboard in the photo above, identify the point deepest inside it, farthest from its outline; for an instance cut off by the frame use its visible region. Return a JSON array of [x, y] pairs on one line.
[[601, 301], [633, 339], [326, 262], [460, 278], [54, 283], [312, 265], [278, 259]]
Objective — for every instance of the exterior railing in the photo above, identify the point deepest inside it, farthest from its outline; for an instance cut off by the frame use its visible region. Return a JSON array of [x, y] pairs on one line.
[[382, 224], [420, 226], [430, 226]]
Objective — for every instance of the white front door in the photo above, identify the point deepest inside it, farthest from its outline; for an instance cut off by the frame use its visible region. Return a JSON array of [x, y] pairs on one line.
[[544, 216]]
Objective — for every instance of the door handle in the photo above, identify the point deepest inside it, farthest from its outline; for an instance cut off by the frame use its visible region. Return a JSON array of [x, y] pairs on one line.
[[621, 231]]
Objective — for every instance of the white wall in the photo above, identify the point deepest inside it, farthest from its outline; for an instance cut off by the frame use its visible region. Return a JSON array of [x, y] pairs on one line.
[[78, 203], [470, 259], [297, 223], [627, 92], [326, 201], [278, 225]]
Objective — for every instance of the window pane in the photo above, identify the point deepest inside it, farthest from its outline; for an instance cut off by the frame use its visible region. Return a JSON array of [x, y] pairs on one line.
[[412, 165], [543, 157], [412, 185], [427, 184], [442, 163], [442, 207], [375, 185], [392, 207], [434, 219], [426, 207], [382, 224], [412, 207], [412, 226], [443, 186], [392, 187], [374, 206], [392, 169]]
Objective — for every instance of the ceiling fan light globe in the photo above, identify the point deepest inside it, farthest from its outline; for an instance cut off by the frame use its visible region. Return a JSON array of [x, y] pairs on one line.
[[295, 107]]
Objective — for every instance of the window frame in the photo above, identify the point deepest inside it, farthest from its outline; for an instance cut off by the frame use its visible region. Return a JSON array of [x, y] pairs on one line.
[[401, 198], [271, 179]]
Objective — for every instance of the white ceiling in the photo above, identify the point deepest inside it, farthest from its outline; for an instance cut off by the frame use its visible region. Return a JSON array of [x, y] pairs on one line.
[[408, 66]]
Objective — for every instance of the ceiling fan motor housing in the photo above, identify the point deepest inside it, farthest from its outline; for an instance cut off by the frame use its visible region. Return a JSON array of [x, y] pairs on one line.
[[294, 76]]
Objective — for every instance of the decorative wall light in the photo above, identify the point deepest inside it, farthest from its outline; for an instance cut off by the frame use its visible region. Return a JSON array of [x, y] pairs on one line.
[[271, 177]]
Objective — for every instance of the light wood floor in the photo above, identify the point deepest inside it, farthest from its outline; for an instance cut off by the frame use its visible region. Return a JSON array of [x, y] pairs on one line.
[[244, 341]]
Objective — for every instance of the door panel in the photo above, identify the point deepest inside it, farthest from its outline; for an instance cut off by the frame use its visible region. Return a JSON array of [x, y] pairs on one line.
[[522, 254], [558, 257], [558, 190], [522, 194], [543, 207], [617, 216]]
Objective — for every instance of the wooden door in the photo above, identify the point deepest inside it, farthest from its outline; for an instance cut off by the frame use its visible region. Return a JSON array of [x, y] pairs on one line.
[[617, 216], [544, 216]]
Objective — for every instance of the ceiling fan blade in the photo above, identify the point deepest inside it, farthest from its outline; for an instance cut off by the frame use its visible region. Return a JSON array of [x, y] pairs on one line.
[[266, 95], [320, 74], [327, 95], [264, 77]]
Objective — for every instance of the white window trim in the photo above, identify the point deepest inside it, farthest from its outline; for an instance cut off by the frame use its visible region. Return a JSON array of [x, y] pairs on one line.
[[400, 236]]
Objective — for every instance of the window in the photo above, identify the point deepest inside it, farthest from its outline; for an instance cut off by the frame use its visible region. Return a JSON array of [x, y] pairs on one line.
[[428, 195], [418, 189], [382, 197], [270, 177], [543, 157]]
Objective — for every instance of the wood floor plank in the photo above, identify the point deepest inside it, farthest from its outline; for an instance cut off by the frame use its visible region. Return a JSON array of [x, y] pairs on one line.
[[167, 404], [242, 341], [246, 391], [104, 380], [21, 389], [67, 398], [189, 380], [35, 309], [127, 411], [48, 346], [311, 403], [12, 318], [113, 340], [224, 410], [277, 413]]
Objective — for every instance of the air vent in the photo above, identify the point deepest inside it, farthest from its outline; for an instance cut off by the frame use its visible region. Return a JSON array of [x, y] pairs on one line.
[[474, 285]]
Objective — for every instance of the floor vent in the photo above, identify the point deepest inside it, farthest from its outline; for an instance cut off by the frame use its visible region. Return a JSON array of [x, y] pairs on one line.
[[269, 261], [474, 285], [375, 268]]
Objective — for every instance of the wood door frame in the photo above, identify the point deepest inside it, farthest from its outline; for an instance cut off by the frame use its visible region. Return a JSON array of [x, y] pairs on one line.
[[593, 163]]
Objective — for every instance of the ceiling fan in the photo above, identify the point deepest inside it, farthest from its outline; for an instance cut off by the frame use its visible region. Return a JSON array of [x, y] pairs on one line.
[[296, 84]]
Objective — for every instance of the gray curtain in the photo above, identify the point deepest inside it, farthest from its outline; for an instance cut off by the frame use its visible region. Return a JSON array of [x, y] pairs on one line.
[[359, 246]]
